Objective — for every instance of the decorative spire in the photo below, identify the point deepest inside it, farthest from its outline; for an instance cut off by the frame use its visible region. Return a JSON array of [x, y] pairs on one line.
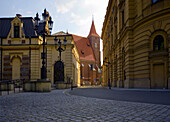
[[93, 29]]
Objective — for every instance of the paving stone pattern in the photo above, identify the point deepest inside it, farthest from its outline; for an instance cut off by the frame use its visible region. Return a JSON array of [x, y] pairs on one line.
[[60, 106]]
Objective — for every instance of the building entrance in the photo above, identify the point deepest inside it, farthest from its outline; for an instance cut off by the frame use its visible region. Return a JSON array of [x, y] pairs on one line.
[[58, 72], [158, 76]]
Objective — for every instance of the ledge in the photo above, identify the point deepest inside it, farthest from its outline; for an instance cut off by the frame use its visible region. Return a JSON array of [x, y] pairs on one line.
[[158, 53], [41, 85]]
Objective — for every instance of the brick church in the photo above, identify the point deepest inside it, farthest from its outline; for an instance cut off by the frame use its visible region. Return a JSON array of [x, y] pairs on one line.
[[89, 52]]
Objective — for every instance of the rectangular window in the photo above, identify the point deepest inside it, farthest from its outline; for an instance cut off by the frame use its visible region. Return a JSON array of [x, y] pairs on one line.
[[123, 18], [154, 1], [116, 31], [95, 45], [23, 41], [16, 31], [9, 41], [111, 39], [113, 10], [91, 67]]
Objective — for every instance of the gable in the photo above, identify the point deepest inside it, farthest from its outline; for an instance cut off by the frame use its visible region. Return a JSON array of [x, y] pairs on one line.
[[16, 22]]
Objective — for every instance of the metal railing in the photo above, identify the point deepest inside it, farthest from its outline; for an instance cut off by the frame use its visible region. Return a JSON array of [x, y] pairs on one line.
[[11, 86]]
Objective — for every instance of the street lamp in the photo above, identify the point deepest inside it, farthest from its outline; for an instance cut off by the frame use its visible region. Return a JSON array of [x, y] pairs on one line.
[[59, 43], [43, 32], [50, 23], [107, 65]]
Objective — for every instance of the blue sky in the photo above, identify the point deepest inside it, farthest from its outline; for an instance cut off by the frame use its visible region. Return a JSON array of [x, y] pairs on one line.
[[72, 15]]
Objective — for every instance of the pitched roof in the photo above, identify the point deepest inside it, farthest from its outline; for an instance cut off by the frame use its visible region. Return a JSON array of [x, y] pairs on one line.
[[60, 33], [28, 26], [93, 30], [84, 48], [5, 26]]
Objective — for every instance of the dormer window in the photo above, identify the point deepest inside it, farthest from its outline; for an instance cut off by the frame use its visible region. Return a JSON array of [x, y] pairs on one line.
[[88, 44], [16, 31], [82, 52]]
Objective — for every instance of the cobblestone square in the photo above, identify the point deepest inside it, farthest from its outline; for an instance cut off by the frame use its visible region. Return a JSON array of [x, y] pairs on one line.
[[58, 105]]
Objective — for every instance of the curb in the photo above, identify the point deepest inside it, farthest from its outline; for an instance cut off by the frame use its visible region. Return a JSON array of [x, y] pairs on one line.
[[135, 89]]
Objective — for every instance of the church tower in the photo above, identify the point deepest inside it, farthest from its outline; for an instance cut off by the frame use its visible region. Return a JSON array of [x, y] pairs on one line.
[[94, 39]]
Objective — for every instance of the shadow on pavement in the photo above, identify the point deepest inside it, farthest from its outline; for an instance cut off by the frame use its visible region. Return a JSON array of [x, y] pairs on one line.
[[131, 95]]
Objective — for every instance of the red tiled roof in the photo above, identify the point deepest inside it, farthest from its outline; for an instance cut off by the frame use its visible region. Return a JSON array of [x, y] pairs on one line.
[[84, 48], [93, 30]]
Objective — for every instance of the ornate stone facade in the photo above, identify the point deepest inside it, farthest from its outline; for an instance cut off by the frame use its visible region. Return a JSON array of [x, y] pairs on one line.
[[136, 36]]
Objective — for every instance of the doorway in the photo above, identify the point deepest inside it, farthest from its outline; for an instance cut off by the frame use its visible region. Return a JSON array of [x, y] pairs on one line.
[[158, 76], [58, 72]]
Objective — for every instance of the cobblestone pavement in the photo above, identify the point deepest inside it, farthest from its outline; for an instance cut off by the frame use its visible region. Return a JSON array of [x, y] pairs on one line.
[[60, 106]]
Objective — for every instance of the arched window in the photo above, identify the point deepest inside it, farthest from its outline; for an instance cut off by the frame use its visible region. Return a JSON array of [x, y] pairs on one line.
[[158, 43]]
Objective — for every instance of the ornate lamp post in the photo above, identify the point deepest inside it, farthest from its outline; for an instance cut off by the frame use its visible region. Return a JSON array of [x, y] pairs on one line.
[[59, 43], [43, 32], [107, 65]]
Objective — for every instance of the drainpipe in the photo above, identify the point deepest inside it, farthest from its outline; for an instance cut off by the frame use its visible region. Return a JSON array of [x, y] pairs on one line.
[[29, 58], [1, 58]]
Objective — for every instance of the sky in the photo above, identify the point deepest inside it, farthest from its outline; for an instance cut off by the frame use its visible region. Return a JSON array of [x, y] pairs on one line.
[[72, 15]]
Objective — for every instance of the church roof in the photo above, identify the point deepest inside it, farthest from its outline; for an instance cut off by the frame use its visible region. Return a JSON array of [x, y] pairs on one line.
[[84, 48], [93, 30]]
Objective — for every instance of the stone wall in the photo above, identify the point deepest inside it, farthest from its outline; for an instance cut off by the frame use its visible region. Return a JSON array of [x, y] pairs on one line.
[[7, 68]]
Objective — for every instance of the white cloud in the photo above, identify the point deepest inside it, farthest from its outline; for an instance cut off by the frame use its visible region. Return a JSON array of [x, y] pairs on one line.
[[90, 2], [73, 15], [20, 10], [79, 14], [82, 15], [29, 12], [64, 6], [79, 20]]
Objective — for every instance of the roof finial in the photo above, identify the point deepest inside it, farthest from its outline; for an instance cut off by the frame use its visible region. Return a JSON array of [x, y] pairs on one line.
[[67, 31], [93, 18]]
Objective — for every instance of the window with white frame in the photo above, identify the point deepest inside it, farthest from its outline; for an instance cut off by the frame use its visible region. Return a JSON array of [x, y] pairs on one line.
[[95, 45]]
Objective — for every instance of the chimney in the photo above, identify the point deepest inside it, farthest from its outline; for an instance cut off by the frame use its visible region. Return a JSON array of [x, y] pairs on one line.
[[19, 15]]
